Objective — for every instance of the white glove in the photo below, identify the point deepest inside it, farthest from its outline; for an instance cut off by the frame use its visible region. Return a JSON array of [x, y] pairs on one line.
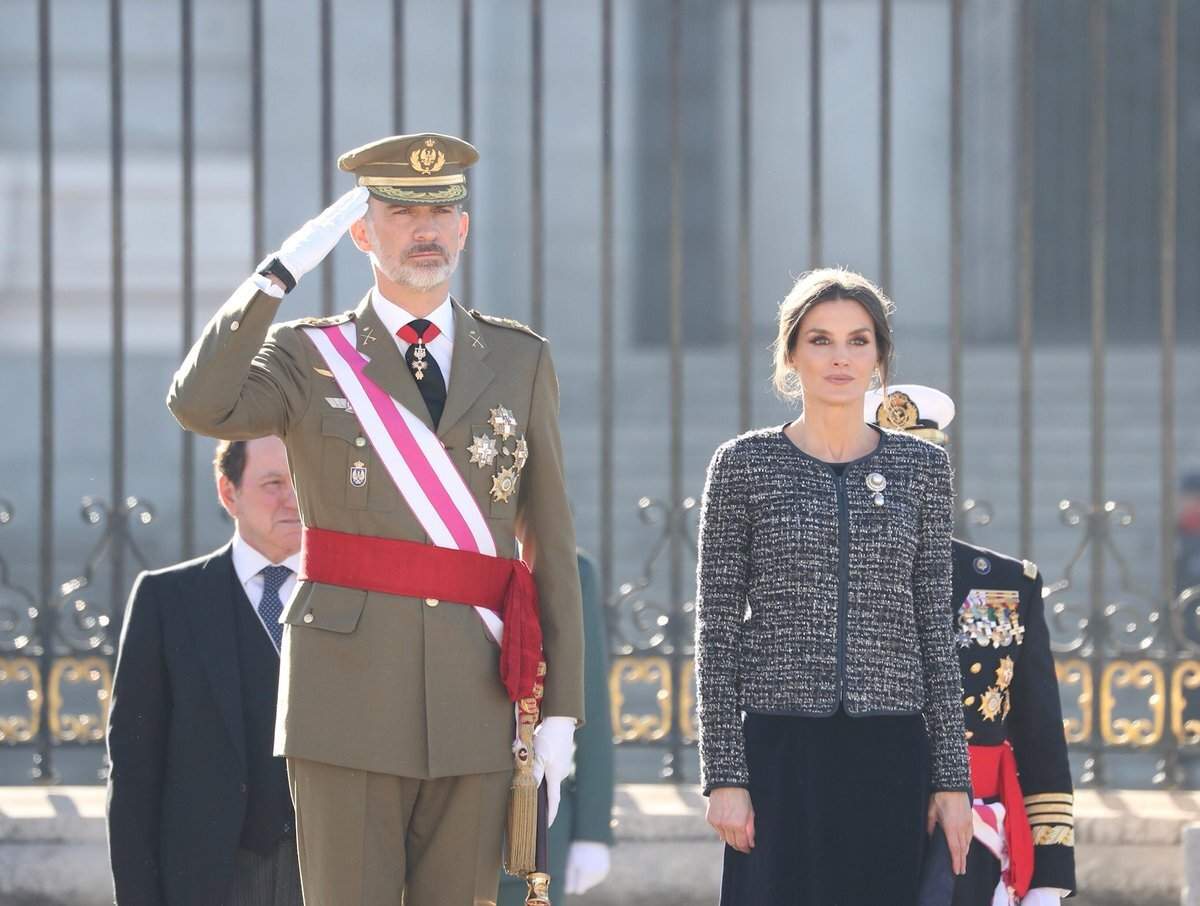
[[308, 246], [553, 754], [1043, 896], [587, 865]]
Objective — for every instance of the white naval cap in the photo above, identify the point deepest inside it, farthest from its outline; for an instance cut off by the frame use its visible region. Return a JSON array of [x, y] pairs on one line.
[[915, 408]]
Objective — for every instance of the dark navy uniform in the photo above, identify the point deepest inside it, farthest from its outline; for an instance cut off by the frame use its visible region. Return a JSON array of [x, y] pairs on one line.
[[1010, 694]]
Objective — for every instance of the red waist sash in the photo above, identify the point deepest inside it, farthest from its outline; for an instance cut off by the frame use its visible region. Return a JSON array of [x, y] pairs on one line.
[[994, 776], [413, 570]]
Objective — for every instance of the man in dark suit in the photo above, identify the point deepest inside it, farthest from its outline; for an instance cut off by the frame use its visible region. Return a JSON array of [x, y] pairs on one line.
[[199, 810]]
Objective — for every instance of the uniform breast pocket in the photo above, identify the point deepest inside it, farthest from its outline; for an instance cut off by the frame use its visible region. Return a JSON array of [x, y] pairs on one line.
[[494, 470], [346, 462]]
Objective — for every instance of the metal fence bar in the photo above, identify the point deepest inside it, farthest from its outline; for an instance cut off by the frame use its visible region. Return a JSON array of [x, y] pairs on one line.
[[187, 268], [466, 99], [1097, 241], [745, 204], [1168, 236], [814, 133], [536, 208], [117, 227], [398, 66], [43, 768], [257, 215], [672, 765], [326, 160], [1168, 239], [956, 229], [885, 145], [607, 303], [1025, 189]]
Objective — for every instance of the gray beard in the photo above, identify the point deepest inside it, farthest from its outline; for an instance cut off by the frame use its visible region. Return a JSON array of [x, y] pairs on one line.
[[422, 278]]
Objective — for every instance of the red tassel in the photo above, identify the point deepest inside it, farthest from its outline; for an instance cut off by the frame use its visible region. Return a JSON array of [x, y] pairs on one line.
[[521, 648]]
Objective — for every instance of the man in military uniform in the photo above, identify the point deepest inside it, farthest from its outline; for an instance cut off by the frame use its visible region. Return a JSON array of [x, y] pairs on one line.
[[424, 446], [1024, 825]]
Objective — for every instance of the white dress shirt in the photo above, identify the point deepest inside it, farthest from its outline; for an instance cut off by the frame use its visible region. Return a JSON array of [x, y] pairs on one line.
[[394, 317], [248, 564]]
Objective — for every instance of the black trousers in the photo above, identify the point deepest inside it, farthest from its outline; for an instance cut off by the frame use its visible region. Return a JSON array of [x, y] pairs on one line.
[[266, 880], [839, 807]]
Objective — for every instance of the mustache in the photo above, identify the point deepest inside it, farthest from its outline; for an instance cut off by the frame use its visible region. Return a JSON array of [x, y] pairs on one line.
[[423, 247]]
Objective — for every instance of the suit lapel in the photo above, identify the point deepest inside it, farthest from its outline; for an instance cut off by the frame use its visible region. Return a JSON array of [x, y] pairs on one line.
[[469, 372], [387, 367], [211, 614]]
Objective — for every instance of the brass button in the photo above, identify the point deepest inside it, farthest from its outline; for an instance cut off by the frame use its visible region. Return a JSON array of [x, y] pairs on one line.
[[360, 441], [431, 602], [976, 667], [969, 700], [234, 325], [308, 618]]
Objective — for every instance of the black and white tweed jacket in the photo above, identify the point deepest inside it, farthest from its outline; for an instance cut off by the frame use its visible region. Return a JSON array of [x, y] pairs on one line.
[[811, 594]]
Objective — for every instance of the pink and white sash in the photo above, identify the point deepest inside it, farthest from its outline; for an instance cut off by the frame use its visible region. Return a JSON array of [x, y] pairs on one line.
[[411, 453]]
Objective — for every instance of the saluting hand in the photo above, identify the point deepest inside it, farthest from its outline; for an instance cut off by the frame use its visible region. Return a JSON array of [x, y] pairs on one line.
[[732, 816], [953, 812], [308, 246]]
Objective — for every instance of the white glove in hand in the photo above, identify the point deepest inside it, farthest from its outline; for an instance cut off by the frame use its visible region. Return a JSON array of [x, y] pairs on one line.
[[308, 246], [553, 752], [1043, 896], [587, 865]]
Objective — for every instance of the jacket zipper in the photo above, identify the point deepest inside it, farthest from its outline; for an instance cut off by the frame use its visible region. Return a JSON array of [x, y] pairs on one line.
[[843, 582]]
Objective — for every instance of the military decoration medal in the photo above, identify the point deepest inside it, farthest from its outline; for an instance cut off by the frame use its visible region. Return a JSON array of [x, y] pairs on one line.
[[504, 483], [1004, 673], [504, 423], [989, 617], [483, 450], [991, 703], [520, 454], [419, 364], [358, 473], [493, 449]]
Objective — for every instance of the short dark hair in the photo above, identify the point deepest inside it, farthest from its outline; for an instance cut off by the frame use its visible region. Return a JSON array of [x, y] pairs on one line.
[[825, 285], [230, 461]]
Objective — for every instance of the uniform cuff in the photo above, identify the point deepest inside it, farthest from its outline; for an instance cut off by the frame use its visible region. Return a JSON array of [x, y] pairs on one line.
[[267, 285]]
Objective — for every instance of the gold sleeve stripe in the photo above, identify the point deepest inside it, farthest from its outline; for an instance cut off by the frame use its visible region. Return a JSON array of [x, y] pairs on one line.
[[1048, 810], [1050, 836], [1038, 798], [1047, 819]]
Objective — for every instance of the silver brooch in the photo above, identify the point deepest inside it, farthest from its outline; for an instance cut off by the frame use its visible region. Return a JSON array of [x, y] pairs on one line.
[[875, 484]]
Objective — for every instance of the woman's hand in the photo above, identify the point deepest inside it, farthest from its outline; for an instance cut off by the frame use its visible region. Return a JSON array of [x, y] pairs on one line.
[[953, 812], [732, 816]]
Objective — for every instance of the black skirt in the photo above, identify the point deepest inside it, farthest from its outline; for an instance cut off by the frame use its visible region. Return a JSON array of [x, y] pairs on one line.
[[839, 810]]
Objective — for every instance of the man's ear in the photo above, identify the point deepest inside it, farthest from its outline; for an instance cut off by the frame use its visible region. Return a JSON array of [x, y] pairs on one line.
[[358, 233], [464, 227], [227, 494]]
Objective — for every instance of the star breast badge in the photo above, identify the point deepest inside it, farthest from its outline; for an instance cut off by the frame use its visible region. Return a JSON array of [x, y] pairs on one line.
[[483, 450]]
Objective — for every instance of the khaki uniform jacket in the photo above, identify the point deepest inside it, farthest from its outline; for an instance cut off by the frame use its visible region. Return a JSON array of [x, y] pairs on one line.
[[373, 681]]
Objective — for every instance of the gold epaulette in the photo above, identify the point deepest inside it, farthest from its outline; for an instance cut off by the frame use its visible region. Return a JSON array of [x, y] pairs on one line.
[[505, 322], [1030, 569], [324, 322]]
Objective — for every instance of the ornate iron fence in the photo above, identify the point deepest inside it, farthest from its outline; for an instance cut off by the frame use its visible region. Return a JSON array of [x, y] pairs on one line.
[[1128, 665]]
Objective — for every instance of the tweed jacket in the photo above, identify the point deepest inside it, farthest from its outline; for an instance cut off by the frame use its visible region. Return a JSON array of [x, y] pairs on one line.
[[814, 592]]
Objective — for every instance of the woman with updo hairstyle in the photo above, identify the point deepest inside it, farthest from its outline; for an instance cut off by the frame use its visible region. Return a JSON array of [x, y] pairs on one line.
[[831, 729]]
